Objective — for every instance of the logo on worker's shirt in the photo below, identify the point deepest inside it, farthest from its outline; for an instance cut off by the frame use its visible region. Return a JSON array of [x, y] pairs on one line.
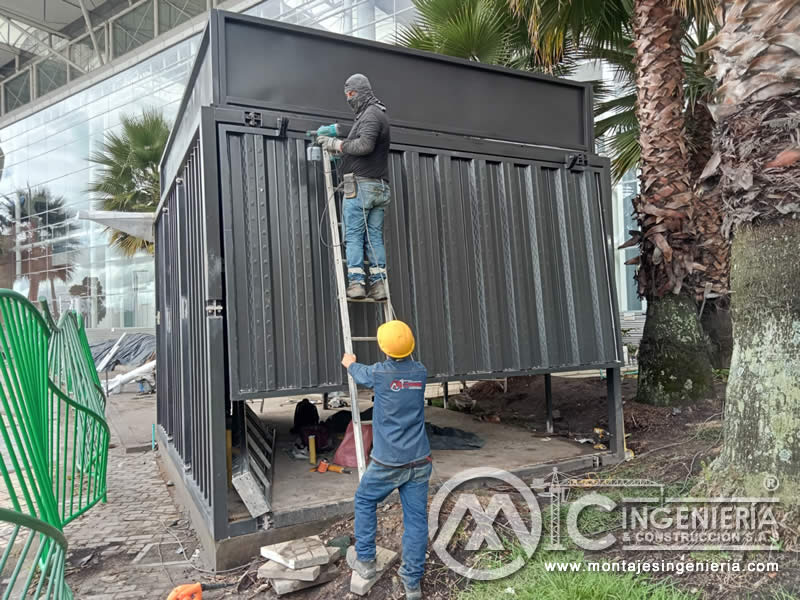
[[405, 384]]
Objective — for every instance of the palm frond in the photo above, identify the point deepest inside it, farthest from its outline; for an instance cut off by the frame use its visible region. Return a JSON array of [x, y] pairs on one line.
[[696, 9], [128, 177], [481, 30], [551, 23]]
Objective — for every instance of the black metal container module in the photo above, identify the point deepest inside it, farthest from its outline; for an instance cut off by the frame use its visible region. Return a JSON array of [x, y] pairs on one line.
[[498, 237]]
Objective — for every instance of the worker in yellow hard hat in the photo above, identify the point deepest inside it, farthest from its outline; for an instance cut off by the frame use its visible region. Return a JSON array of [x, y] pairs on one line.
[[401, 454]]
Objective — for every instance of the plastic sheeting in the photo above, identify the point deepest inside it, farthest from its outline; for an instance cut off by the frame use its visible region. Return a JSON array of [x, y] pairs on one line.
[[136, 349]]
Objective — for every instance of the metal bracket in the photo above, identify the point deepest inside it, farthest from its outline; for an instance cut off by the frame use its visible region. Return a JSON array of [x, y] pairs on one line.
[[576, 162], [283, 126], [214, 308], [252, 118]]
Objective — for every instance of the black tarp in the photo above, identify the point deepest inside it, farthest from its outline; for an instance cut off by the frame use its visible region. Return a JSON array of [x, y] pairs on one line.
[[135, 350]]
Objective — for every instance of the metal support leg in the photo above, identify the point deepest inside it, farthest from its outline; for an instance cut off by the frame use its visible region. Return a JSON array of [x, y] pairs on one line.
[[325, 400], [548, 396], [616, 424], [445, 393]]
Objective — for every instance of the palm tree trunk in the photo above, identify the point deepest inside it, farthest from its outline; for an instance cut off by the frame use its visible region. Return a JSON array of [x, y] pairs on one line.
[[762, 412], [759, 172], [714, 249], [674, 366]]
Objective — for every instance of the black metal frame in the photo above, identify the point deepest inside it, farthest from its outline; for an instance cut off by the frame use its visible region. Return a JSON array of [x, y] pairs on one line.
[[195, 440]]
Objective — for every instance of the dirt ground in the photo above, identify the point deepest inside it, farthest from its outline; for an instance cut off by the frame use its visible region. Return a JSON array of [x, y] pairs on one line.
[[671, 447]]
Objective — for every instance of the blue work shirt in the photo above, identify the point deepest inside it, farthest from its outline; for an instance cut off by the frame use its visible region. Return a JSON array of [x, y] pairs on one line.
[[398, 416]]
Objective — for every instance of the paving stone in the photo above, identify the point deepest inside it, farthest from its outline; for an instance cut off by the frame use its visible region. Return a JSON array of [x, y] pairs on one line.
[[334, 553], [385, 559], [139, 511], [273, 570], [286, 586], [298, 554]]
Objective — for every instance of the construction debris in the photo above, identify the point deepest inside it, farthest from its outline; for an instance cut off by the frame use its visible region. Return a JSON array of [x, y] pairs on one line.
[[298, 554], [299, 564], [145, 372], [273, 570], [285, 586]]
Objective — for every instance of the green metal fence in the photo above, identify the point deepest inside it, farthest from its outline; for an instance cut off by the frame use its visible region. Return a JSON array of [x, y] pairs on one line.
[[54, 452], [78, 431]]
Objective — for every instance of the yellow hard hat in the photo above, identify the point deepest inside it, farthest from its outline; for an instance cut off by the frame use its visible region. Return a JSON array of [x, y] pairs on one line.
[[395, 339]]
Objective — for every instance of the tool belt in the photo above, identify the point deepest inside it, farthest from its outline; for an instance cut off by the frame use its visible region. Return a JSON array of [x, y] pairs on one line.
[[411, 465]]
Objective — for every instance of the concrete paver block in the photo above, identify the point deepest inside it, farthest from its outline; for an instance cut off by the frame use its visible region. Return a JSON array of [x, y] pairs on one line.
[[285, 586], [334, 553], [385, 558], [273, 570], [298, 554]]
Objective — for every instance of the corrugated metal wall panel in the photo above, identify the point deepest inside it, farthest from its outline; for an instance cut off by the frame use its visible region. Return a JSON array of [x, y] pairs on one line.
[[499, 264], [184, 371]]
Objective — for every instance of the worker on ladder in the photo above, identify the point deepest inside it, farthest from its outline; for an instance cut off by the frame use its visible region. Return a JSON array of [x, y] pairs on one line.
[[365, 165], [401, 455]]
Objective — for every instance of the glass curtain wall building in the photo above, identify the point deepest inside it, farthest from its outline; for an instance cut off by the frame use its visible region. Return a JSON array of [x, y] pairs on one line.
[[46, 251], [45, 169]]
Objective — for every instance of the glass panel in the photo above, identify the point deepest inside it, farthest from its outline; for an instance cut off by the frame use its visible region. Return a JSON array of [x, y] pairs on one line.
[[18, 91], [133, 29], [628, 188], [51, 253], [82, 52], [174, 12], [51, 74]]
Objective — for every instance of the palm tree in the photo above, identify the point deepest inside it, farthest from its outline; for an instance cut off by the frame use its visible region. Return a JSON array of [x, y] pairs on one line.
[[129, 178], [756, 62], [674, 365], [484, 31], [44, 231]]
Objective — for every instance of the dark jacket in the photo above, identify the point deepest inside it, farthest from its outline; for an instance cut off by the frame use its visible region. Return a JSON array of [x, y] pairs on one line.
[[365, 152], [398, 417]]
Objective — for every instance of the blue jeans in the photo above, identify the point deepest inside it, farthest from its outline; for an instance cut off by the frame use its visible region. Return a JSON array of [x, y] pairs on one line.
[[376, 484], [363, 229]]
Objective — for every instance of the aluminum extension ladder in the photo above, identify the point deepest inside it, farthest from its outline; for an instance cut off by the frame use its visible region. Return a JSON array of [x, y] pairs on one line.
[[344, 308]]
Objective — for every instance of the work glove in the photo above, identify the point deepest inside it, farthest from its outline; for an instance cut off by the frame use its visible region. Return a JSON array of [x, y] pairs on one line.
[[330, 144], [331, 130]]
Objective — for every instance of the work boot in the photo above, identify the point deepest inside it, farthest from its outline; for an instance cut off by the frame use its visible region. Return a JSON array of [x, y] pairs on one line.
[[356, 290], [366, 569], [413, 593], [377, 290]]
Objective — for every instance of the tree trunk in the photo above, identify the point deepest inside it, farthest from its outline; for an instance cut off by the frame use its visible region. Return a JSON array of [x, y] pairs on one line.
[[756, 62], [674, 366], [714, 248], [700, 126], [762, 412], [718, 328], [664, 211]]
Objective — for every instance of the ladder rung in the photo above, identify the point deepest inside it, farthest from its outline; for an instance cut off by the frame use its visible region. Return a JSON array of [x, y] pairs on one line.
[[364, 339]]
